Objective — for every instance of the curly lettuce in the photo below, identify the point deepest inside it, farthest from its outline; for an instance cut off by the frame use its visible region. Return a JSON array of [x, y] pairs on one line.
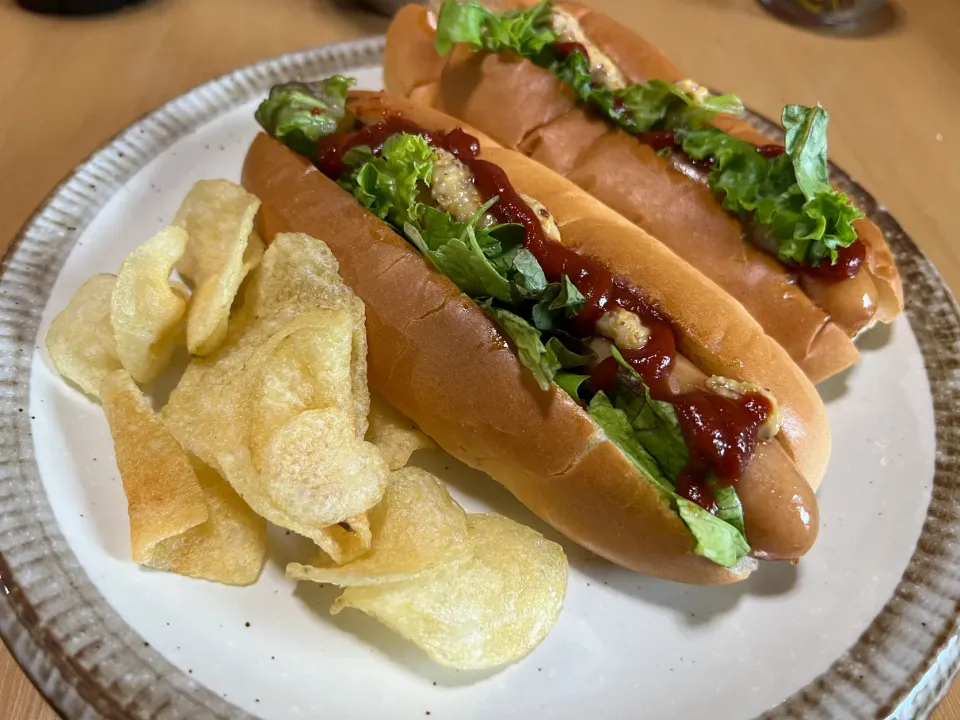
[[525, 32], [299, 114], [790, 195]]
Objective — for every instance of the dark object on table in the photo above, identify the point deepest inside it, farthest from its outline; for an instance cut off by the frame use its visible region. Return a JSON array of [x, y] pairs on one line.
[[824, 13], [74, 7], [386, 7]]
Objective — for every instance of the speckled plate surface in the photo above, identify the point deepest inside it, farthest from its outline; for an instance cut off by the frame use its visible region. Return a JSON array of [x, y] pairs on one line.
[[865, 626]]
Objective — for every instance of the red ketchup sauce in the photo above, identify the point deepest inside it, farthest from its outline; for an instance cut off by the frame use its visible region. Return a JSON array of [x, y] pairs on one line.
[[721, 433], [771, 151], [566, 49], [849, 260]]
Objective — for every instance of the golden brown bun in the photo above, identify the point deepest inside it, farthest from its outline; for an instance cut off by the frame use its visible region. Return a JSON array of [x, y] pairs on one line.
[[542, 446], [525, 107], [408, 66]]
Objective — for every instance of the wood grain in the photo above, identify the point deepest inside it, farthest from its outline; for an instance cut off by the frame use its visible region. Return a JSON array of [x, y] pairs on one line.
[[68, 85]]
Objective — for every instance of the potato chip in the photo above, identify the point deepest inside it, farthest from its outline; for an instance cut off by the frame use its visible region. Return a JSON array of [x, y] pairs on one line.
[[80, 340], [229, 548], [345, 541], [276, 409], [316, 471], [394, 434], [315, 464], [218, 217], [417, 527], [184, 517], [219, 404], [253, 254], [309, 368], [491, 608], [145, 311], [164, 498], [299, 274]]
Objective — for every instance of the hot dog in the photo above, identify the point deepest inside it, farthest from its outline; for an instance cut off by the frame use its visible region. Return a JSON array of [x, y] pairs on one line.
[[539, 337], [629, 132]]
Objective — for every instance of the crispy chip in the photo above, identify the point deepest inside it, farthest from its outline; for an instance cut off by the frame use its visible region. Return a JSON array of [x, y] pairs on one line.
[[417, 527], [218, 217], [230, 547], [345, 541], [489, 609], [183, 516], [396, 435], [219, 403], [145, 310], [310, 368], [299, 274], [315, 473], [164, 498], [253, 254], [80, 340], [297, 346]]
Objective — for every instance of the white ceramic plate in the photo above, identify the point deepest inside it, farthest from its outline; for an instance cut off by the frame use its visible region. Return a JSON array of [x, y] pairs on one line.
[[864, 626]]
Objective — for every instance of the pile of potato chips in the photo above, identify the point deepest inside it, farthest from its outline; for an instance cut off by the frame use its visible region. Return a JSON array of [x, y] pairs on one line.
[[272, 421]]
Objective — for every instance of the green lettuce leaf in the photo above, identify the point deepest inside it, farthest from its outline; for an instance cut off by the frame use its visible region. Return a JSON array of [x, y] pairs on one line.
[[523, 31], [389, 185], [648, 436], [543, 359], [804, 229], [528, 277], [462, 260], [299, 114], [566, 357], [616, 425], [729, 507], [535, 356], [654, 423], [717, 539], [481, 261], [727, 104], [806, 144], [570, 383], [558, 303]]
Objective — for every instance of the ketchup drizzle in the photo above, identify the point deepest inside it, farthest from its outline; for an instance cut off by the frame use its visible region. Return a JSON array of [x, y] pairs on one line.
[[566, 49], [771, 151], [849, 260], [721, 433]]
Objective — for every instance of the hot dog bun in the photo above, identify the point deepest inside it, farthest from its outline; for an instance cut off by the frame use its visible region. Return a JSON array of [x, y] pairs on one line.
[[438, 358], [527, 108]]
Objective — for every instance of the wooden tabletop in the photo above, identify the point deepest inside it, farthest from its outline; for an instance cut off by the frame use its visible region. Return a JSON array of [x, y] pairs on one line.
[[894, 98]]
